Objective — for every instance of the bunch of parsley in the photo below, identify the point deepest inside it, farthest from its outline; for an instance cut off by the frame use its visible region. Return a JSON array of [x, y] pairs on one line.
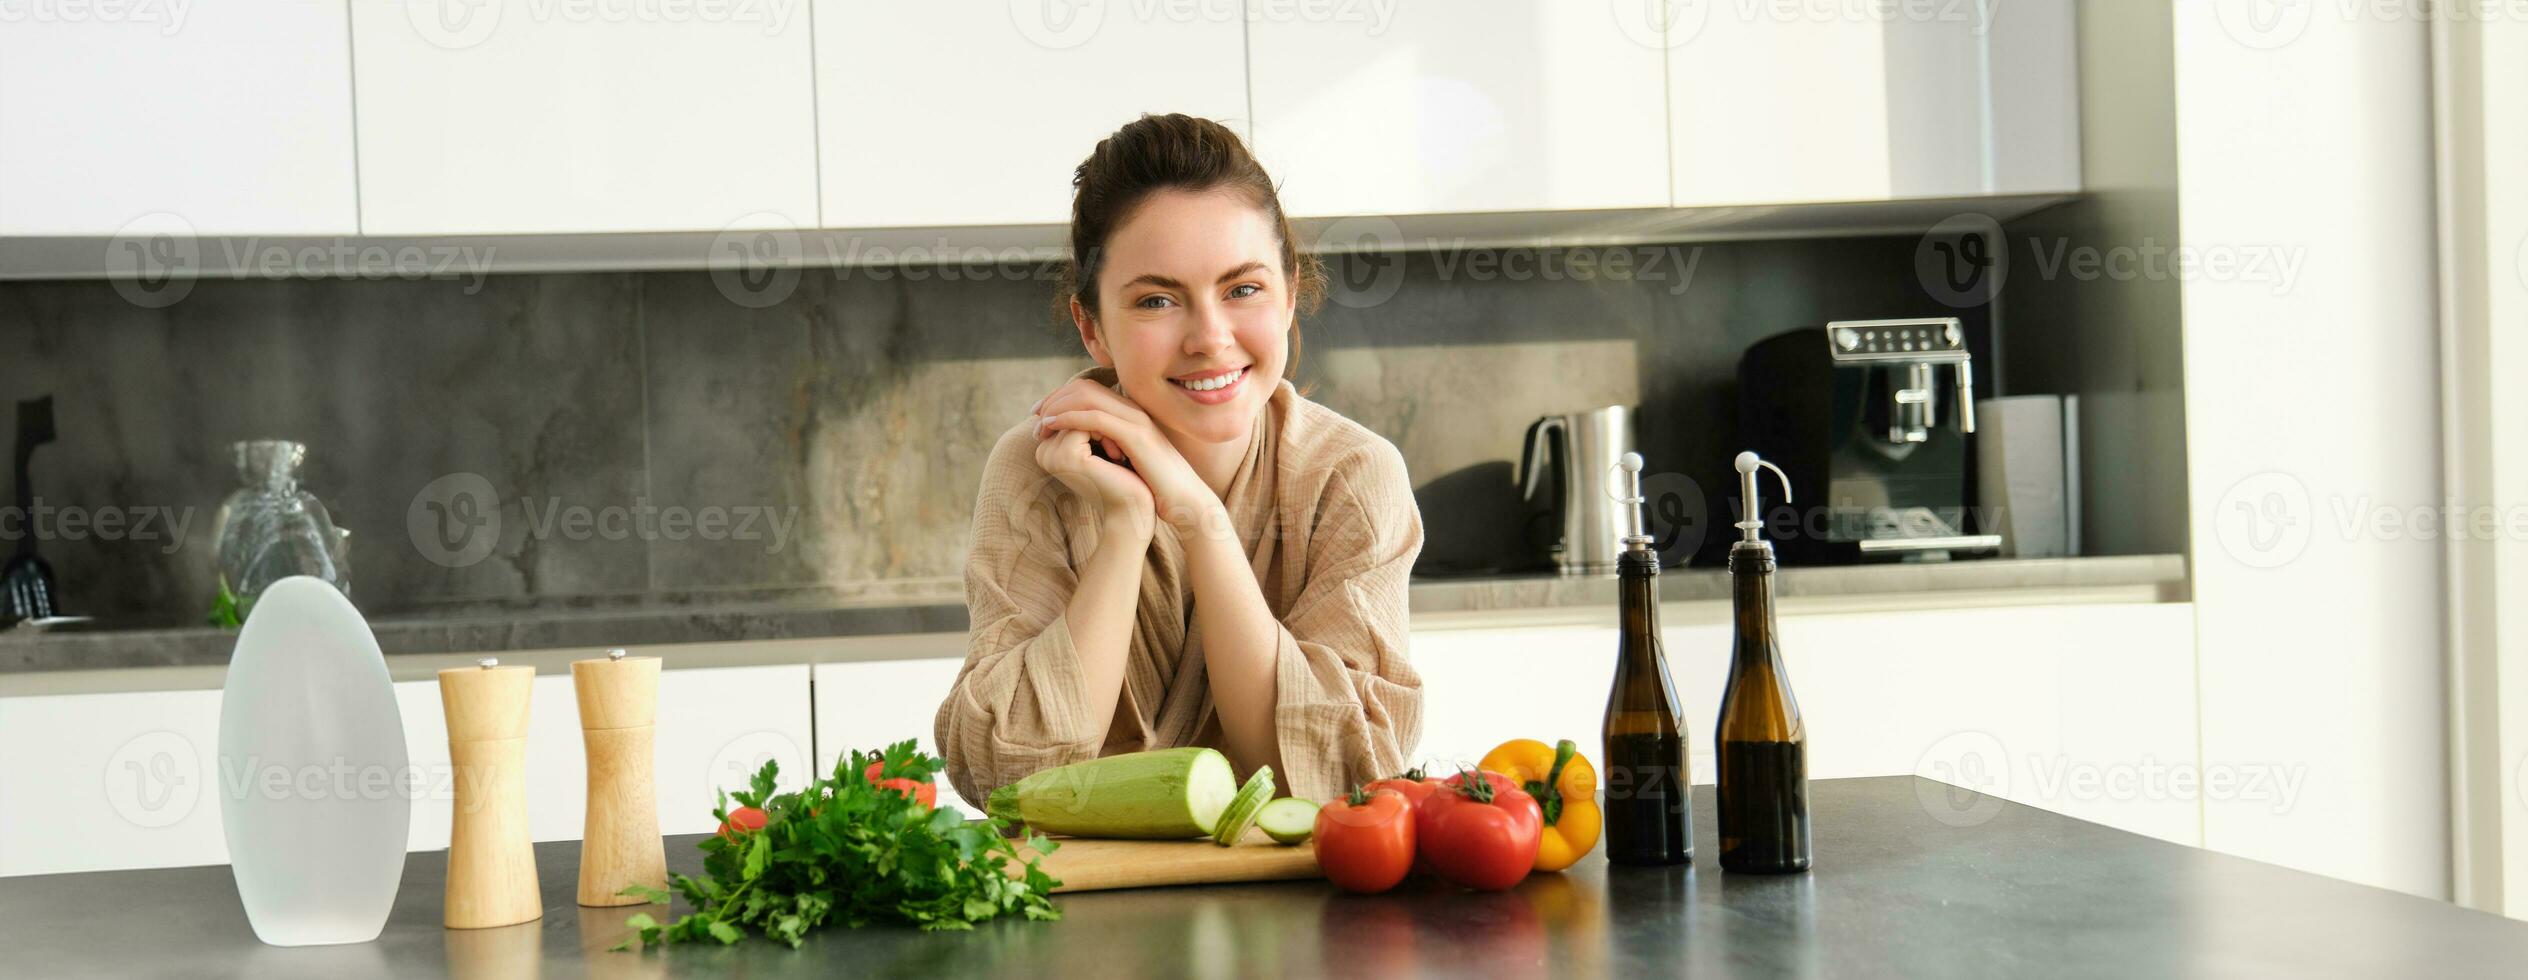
[[845, 851]]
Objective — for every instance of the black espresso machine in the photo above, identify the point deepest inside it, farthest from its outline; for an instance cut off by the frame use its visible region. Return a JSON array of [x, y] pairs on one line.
[[1875, 445]]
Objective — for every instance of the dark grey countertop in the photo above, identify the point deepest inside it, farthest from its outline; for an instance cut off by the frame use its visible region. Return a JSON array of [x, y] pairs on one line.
[[939, 607], [1913, 878]]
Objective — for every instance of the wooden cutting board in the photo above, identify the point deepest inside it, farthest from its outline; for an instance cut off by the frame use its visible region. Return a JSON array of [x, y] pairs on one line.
[[1088, 865]]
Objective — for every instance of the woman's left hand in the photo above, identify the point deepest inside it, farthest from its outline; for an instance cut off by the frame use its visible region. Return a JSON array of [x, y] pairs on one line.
[[1122, 427]]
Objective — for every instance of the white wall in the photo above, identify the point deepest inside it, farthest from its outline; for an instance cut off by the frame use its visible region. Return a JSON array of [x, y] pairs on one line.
[[2308, 136], [2482, 108]]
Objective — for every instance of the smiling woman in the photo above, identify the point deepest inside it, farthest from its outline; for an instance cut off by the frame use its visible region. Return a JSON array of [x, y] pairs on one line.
[[1177, 548]]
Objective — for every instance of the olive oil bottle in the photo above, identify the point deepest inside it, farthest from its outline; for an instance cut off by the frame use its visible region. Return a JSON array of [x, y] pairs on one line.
[[1763, 748], [1649, 811]]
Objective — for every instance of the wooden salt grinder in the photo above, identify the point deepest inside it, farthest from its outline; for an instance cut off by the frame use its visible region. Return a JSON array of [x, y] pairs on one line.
[[491, 859], [618, 709]]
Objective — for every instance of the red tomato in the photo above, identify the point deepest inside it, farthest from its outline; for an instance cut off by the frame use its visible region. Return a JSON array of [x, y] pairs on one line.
[[1499, 781], [1481, 837], [1415, 788], [924, 793], [743, 820], [1447, 792], [1365, 842]]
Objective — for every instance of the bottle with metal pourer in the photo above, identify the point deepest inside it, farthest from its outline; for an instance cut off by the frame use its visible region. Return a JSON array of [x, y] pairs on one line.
[[1763, 747], [1649, 810]]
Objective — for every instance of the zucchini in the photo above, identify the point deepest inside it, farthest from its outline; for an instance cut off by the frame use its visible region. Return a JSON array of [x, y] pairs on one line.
[[1289, 820], [1168, 794], [1240, 815]]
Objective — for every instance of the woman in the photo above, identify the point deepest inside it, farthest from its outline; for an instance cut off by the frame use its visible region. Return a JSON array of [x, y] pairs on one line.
[[1177, 548]]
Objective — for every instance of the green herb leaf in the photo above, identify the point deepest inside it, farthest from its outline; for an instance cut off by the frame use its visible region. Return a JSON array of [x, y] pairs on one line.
[[840, 851], [654, 896]]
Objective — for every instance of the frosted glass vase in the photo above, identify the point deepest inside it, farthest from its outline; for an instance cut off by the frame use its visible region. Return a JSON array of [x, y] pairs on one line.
[[314, 785]]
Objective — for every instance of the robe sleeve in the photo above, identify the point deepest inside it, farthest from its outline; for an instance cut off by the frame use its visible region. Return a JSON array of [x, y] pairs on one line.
[[1348, 707], [1020, 703]]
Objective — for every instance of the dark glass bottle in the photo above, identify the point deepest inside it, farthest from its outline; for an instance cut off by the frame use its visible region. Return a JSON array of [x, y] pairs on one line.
[[1649, 809], [1763, 748]]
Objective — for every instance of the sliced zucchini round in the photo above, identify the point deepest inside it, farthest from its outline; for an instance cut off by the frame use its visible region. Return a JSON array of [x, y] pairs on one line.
[[1243, 807], [1289, 820]]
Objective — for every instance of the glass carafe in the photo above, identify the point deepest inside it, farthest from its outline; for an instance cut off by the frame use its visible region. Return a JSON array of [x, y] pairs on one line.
[[270, 529]]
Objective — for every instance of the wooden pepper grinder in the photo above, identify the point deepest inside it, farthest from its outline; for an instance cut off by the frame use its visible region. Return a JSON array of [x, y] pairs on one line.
[[618, 707], [491, 859]]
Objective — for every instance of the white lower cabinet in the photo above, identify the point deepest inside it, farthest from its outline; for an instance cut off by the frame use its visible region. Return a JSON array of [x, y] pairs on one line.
[[1483, 687], [716, 726], [2084, 710], [871, 704], [95, 782]]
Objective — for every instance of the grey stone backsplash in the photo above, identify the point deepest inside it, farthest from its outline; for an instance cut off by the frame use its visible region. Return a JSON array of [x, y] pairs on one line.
[[643, 435]]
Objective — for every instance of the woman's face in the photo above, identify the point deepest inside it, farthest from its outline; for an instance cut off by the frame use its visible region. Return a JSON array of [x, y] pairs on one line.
[[1193, 312]]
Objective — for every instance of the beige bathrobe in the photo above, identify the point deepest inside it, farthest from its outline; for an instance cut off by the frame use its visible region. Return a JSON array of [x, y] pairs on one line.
[[1328, 518]]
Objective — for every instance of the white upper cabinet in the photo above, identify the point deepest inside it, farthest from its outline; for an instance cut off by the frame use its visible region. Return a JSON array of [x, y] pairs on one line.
[[1474, 105], [224, 117], [977, 113], [531, 118], [399, 118], [1776, 103]]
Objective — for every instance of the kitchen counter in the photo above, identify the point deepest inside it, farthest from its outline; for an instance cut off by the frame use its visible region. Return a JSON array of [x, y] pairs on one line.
[[1914, 878], [938, 607]]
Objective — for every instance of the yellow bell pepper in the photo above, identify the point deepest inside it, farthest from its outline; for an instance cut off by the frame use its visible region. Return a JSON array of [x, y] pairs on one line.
[[1564, 785]]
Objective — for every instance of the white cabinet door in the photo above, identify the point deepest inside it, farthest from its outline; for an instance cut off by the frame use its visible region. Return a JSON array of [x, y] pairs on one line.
[[977, 113], [2085, 710], [525, 118], [869, 705], [93, 782], [715, 727], [1484, 687], [1776, 103], [1493, 105], [232, 117], [556, 770]]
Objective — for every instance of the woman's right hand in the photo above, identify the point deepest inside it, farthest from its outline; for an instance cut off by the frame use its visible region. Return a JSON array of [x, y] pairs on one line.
[[1118, 493]]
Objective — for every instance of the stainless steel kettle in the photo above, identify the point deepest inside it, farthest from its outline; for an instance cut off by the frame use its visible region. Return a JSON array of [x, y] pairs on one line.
[[1569, 478]]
